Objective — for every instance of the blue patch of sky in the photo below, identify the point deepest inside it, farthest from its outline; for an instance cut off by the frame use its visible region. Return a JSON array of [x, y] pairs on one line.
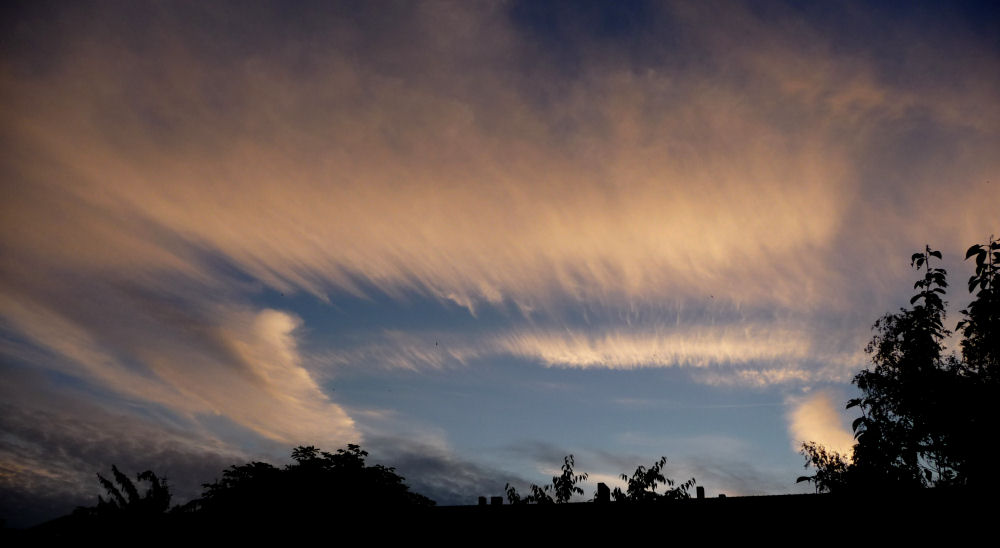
[[505, 401], [376, 311]]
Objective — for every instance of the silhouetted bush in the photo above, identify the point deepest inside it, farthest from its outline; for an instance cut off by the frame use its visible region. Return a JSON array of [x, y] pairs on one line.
[[644, 482], [318, 482], [124, 500], [642, 486], [563, 487]]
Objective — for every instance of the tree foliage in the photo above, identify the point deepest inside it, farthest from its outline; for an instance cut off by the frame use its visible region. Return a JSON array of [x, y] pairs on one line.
[[316, 487], [124, 499], [641, 487], [924, 413], [980, 327], [563, 487], [316, 482], [832, 468], [901, 392]]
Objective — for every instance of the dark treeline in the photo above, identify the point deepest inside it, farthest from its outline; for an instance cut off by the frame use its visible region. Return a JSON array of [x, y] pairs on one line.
[[319, 490], [317, 482], [928, 418]]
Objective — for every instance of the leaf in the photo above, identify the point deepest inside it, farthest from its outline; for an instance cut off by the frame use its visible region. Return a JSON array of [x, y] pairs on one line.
[[857, 423], [936, 254], [915, 257], [972, 251], [914, 299]]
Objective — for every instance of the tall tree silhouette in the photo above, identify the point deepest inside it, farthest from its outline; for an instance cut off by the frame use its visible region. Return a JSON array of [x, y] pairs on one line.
[[900, 395], [979, 380], [924, 414]]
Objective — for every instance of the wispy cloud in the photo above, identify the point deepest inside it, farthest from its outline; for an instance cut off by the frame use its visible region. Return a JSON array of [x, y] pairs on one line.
[[697, 189], [220, 360], [742, 353]]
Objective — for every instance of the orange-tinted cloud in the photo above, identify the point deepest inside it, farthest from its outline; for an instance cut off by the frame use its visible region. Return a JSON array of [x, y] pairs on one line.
[[196, 167], [814, 418]]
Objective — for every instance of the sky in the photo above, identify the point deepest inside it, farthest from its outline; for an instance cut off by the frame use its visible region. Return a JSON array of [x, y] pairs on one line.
[[473, 237]]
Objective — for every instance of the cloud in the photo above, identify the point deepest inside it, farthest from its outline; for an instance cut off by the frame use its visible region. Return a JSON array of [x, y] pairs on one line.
[[56, 440], [814, 418], [194, 359], [362, 164], [628, 350], [437, 472], [742, 353], [306, 185]]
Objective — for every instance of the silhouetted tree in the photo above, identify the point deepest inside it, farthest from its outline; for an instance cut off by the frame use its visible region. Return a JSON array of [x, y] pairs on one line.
[[318, 481], [977, 385], [641, 487], [124, 499], [563, 487], [832, 468], [644, 482], [901, 395], [981, 327], [923, 415]]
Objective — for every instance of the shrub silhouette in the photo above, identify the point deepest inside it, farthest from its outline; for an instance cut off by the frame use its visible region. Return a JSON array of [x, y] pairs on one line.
[[641, 486], [124, 500], [644, 482], [563, 487]]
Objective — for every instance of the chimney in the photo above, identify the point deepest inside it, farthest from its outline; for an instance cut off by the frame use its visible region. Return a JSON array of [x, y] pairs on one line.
[[603, 493]]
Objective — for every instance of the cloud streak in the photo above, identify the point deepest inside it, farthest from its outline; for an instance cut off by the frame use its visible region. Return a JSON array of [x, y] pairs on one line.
[[314, 183], [221, 360], [740, 354]]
